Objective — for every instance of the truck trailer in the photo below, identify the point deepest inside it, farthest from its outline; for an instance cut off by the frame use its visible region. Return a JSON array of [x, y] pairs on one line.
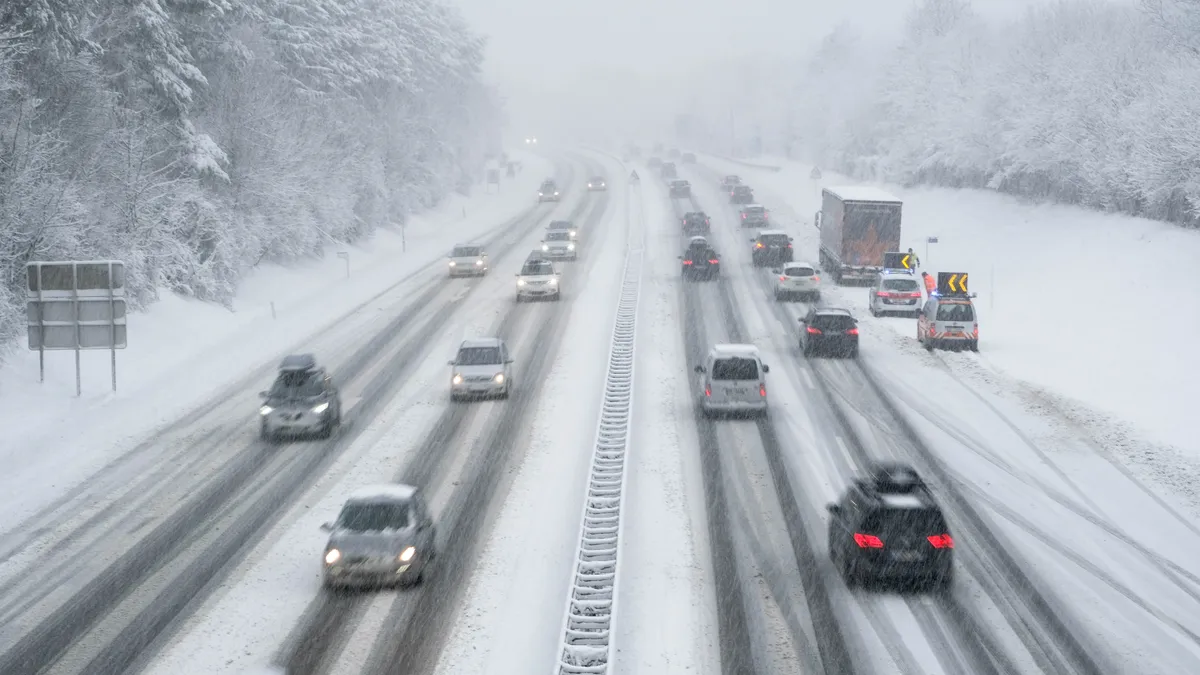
[[858, 225]]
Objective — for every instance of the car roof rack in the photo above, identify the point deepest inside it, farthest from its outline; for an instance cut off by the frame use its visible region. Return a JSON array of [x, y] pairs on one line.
[[298, 363], [893, 478]]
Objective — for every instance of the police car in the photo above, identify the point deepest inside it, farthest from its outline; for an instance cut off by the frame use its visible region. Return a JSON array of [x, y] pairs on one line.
[[948, 320], [887, 526]]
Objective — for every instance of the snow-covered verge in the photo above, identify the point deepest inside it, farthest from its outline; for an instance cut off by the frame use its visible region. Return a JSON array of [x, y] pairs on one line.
[[1091, 312], [1083, 102], [194, 140], [183, 351]]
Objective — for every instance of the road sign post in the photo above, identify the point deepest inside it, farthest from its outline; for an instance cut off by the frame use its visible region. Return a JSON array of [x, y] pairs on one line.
[[76, 305], [928, 241], [345, 255]]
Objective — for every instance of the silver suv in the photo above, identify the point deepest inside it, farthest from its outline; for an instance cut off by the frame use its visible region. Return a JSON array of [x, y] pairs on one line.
[[538, 279], [468, 260], [895, 292], [560, 244], [481, 368], [733, 381], [384, 535]]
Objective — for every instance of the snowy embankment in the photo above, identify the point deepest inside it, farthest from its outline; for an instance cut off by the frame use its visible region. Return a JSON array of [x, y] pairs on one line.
[[1070, 301], [182, 352]]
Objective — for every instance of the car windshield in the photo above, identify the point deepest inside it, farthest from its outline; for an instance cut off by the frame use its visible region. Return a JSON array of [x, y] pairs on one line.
[[537, 267], [741, 189], [292, 384], [374, 517], [798, 271], [558, 235], [466, 251], [955, 311], [549, 186], [730, 180], [559, 225], [597, 179], [891, 523], [832, 322], [900, 284], [478, 356], [774, 239], [755, 210], [735, 368]]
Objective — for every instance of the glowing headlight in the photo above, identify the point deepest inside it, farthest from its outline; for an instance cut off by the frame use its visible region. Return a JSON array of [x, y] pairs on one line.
[[478, 262], [520, 282], [320, 408], [589, 185], [556, 193], [332, 555], [407, 554], [457, 379], [541, 194], [499, 378], [554, 282], [265, 410], [452, 263], [545, 247], [572, 233], [570, 247]]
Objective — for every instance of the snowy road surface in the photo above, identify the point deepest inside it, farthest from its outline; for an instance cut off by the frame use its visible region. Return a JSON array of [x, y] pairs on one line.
[[197, 550]]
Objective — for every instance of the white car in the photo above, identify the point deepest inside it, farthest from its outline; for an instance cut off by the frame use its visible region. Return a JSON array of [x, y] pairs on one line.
[[564, 225], [797, 280], [895, 292], [733, 381], [559, 244], [468, 260], [482, 367], [538, 279]]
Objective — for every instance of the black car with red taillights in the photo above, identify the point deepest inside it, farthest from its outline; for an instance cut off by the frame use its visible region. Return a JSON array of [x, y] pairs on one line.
[[888, 527], [700, 261], [829, 331]]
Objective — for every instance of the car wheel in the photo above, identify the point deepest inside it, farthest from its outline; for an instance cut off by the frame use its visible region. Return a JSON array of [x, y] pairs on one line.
[[558, 296], [327, 430], [928, 344], [874, 312], [778, 296], [853, 353], [815, 298], [455, 398], [504, 394], [975, 345], [265, 434], [520, 299]]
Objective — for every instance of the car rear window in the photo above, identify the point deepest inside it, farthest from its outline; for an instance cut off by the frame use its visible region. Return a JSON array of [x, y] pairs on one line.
[[774, 239], [741, 188], [900, 284], [478, 356], [537, 267], [891, 523], [466, 251], [548, 186], [374, 517], [799, 271], [955, 311], [558, 235], [735, 368], [836, 322], [755, 210]]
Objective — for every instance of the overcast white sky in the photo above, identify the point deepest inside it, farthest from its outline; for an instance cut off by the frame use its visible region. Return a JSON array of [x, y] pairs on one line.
[[575, 57]]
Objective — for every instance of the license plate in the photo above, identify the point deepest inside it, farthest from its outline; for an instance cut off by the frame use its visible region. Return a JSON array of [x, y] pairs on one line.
[[907, 556], [738, 391], [954, 329]]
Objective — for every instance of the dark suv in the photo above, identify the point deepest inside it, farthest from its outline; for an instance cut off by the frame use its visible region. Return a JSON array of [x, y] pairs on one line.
[[700, 261], [668, 170], [829, 330], [888, 526], [772, 248], [302, 400], [754, 215], [741, 194], [696, 222]]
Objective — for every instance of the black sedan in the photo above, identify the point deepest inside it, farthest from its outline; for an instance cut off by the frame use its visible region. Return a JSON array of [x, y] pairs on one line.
[[831, 331]]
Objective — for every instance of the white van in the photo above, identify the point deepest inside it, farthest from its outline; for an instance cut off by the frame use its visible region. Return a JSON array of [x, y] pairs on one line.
[[733, 381]]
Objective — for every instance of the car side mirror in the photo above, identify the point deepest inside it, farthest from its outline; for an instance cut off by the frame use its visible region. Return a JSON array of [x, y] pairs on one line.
[[766, 368], [263, 394], [803, 320], [452, 362], [508, 360], [776, 271], [833, 509], [680, 257], [699, 369], [328, 527]]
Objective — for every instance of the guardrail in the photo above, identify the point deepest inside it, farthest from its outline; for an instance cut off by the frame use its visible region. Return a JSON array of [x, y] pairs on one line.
[[587, 638], [752, 165]]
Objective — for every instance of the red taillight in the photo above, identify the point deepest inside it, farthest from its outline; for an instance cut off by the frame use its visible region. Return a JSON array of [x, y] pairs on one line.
[[707, 221], [762, 390], [882, 294], [816, 278], [687, 262], [852, 331], [941, 541], [783, 277], [713, 261], [868, 540], [707, 391], [914, 295], [743, 216], [814, 331], [789, 245], [976, 331]]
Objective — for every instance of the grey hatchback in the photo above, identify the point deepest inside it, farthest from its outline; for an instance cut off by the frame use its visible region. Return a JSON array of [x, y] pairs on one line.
[[384, 535], [302, 400]]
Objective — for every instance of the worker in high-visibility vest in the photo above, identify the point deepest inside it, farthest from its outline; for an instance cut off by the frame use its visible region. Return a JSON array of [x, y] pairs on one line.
[[930, 283]]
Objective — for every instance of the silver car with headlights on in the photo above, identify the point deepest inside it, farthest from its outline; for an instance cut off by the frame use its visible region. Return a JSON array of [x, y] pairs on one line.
[[560, 245], [482, 367], [538, 279], [383, 536], [468, 260], [302, 400]]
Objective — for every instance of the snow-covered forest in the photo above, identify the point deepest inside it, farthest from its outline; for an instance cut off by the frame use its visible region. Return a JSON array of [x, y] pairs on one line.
[[195, 138], [1084, 102]]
